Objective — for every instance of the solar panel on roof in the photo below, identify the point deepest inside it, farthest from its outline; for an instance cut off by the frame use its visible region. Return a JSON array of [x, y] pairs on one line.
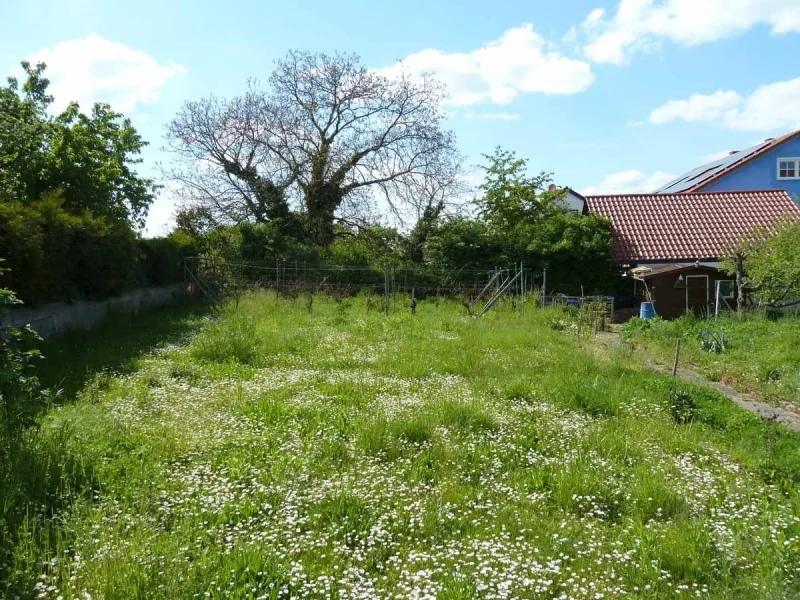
[[703, 172]]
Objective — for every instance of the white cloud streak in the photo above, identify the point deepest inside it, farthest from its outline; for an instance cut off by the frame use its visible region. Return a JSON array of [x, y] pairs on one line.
[[94, 69], [769, 108], [517, 63], [640, 24], [698, 107], [629, 182]]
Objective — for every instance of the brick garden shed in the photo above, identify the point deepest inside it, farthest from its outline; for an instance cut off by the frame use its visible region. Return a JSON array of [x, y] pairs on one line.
[[670, 245]]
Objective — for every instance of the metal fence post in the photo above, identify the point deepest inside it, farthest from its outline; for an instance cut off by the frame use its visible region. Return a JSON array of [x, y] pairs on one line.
[[277, 277], [386, 289]]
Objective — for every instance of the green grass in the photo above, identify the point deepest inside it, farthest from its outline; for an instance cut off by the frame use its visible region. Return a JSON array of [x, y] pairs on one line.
[[266, 452], [762, 356]]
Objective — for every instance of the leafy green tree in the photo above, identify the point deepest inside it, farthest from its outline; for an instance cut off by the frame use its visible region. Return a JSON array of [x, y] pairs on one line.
[[460, 242], [373, 245], [510, 195], [771, 262], [522, 220], [88, 159], [194, 220], [414, 243]]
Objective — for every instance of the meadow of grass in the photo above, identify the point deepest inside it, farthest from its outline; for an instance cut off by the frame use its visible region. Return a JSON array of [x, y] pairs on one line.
[[761, 356], [267, 452]]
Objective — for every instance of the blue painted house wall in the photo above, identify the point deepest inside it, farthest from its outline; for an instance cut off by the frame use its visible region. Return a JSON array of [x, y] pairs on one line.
[[761, 173]]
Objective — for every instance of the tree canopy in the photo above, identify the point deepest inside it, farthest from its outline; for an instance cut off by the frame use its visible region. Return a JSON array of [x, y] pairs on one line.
[[326, 138], [87, 159], [771, 261], [521, 220]]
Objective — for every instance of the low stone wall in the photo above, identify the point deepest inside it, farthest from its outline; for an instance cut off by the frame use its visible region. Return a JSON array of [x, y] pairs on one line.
[[57, 317]]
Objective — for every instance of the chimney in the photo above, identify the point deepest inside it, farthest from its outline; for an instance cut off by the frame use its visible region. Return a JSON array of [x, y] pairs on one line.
[[552, 188]]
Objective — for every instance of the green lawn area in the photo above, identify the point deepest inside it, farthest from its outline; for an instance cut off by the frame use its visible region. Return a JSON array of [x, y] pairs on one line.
[[268, 452], [761, 356]]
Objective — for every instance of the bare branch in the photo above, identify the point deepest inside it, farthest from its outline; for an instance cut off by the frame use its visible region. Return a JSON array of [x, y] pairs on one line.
[[328, 132]]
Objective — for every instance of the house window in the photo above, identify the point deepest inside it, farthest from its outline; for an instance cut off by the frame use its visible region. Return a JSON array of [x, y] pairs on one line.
[[726, 289], [789, 168]]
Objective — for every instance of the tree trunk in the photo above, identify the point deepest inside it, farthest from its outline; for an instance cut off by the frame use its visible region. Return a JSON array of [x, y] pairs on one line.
[[322, 199], [320, 221], [739, 284]]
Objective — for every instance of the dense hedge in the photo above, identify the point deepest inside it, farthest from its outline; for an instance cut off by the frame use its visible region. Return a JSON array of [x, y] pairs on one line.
[[573, 248], [53, 255]]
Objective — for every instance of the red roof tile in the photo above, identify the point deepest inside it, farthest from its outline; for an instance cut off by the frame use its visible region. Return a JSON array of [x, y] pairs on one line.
[[687, 226]]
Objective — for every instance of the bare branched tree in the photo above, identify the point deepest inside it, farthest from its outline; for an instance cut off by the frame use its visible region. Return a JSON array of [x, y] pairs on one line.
[[329, 133], [225, 160]]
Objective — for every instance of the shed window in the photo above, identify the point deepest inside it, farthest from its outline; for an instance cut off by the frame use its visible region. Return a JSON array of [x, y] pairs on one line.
[[726, 289], [788, 168]]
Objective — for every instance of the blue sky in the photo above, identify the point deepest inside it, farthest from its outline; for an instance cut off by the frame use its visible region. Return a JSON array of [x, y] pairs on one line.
[[609, 95]]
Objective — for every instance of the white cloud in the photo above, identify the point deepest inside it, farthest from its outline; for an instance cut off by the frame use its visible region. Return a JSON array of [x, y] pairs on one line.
[[768, 108], [594, 17], [517, 63], [698, 107], [638, 24], [94, 69], [492, 116], [629, 182]]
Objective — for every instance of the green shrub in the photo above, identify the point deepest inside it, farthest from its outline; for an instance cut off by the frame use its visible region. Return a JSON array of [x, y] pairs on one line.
[[636, 325], [163, 257], [19, 385], [713, 341], [682, 406]]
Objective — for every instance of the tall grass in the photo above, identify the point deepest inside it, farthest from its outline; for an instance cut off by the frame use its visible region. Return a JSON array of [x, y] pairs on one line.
[[341, 453], [760, 355]]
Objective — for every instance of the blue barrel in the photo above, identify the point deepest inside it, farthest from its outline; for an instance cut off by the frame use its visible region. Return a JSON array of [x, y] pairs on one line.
[[647, 310]]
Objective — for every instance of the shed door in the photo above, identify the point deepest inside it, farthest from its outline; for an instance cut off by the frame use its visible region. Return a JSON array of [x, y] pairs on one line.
[[697, 294]]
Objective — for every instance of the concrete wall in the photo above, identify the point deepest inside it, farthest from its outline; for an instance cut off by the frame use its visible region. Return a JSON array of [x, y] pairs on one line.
[[59, 316]]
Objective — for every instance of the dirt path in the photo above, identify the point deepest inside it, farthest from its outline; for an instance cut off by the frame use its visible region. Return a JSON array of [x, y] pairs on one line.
[[766, 411]]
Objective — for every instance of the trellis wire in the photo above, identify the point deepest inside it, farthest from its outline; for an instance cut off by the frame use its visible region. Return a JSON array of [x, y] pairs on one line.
[[215, 278]]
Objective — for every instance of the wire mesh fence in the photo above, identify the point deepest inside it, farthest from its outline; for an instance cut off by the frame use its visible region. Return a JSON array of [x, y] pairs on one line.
[[477, 289]]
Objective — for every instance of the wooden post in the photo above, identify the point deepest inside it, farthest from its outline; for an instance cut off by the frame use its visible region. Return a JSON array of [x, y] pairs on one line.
[[544, 285], [677, 354]]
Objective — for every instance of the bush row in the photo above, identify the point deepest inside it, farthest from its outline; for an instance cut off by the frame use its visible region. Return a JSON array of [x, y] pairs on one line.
[[53, 255]]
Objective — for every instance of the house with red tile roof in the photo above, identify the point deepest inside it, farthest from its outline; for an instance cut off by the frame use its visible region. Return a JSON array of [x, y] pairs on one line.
[[673, 243], [774, 164]]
